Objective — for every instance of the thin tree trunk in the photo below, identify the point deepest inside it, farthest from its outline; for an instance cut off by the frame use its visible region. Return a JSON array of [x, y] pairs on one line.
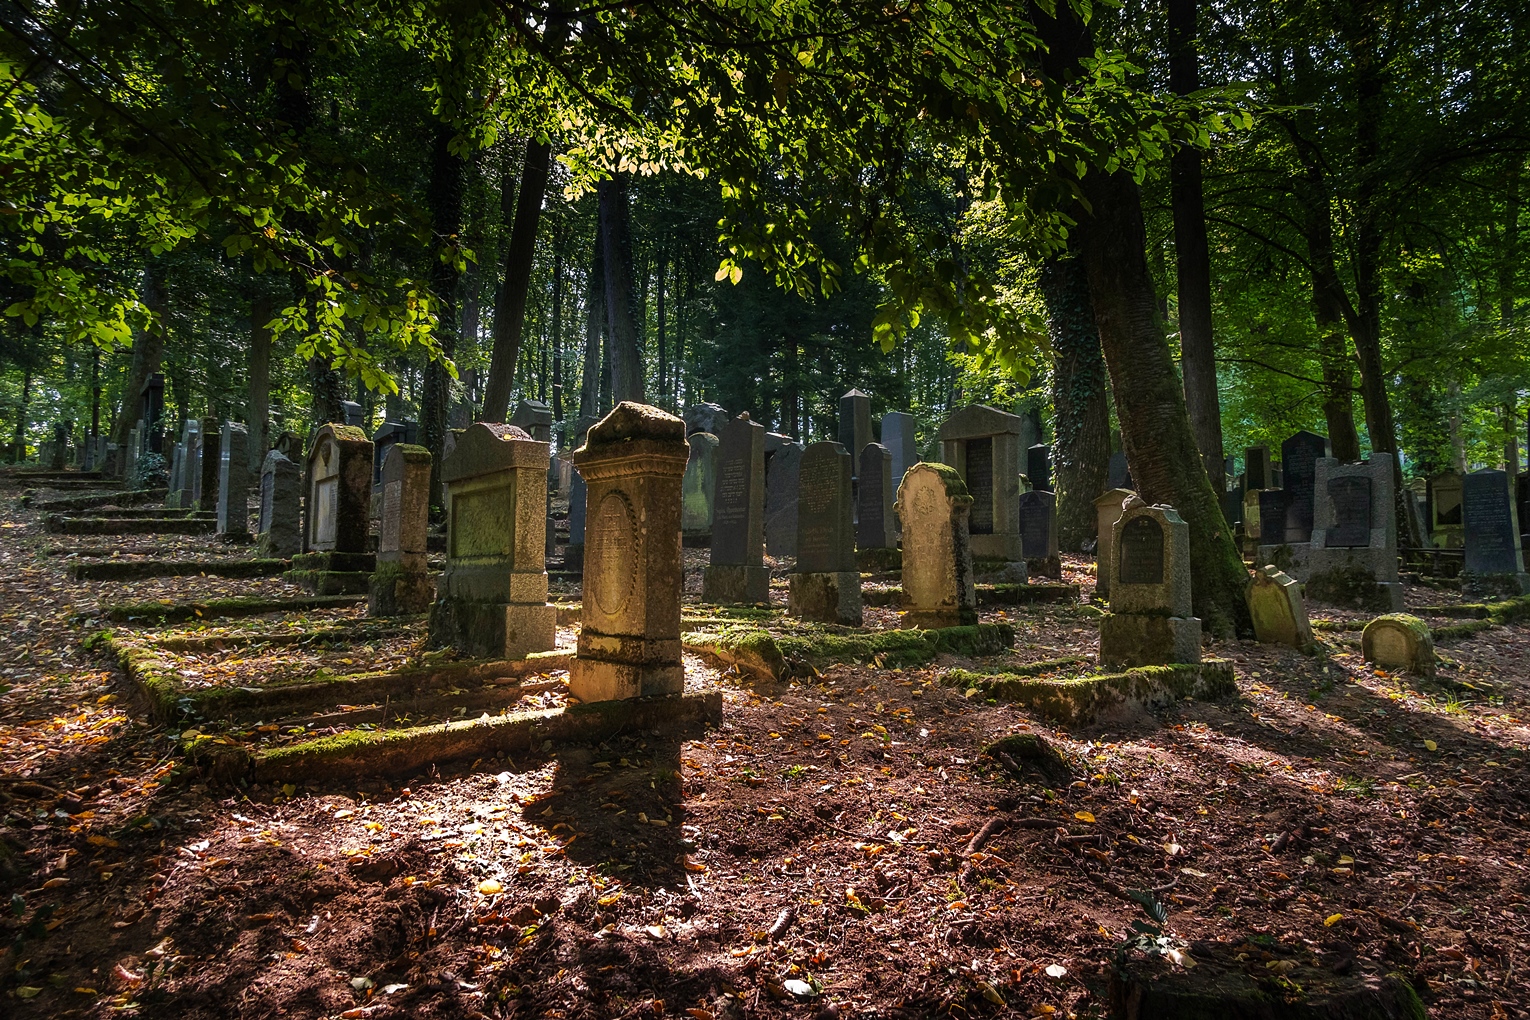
[[663, 267], [148, 355], [260, 381], [520, 252], [1081, 452], [1193, 257], [557, 330], [445, 192], [622, 327], [95, 392], [19, 436], [594, 331]]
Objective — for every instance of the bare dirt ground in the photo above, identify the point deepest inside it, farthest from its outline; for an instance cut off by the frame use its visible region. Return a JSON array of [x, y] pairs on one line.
[[810, 858]]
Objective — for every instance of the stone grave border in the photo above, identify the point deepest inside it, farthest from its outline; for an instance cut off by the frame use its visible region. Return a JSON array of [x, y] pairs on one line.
[[1083, 700]]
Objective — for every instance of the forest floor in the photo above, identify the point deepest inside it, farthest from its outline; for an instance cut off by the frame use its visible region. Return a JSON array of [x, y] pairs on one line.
[[809, 858]]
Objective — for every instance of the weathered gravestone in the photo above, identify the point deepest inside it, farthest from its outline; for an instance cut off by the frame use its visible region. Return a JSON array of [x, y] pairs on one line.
[[400, 585], [1274, 506], [737, 574], [492, 598], [335, 559], [1494, 560], [204, 465], [875, 491], [699, 489], [1038, 533], [573, 553], [824, 584], [280, 532], [1150, 621], [290, 445], [1232, 507], [130, 457], [1445, 530], [781, 469], [177, 474], [629, 641], [233, 482], [1107, 511], [854, 424], [1352, 558], [1257, 472], [898, 436], [535, 419], [708, 418], [983, 445], [1280, 616], [1038, 467], [1399, 641], [938, 589], [1117, 474], [351, 413], [152, 414], [388, 435], [1298, 461]]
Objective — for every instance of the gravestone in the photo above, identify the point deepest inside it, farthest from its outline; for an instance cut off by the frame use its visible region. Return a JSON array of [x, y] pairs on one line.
[[708, 418], [1107, 511], [280, 533], [781, 470], [633, 461], [152, 414], [290, 445], [573, 553], [1118, 475], [1150, 621], [177, 475], [400, 585], [351, 413], [1298, 461], [898, 436], [388, 435], [1490, 520], [1352, 558], [854, 424], [205, 465], [874, 526], [1399, 641], [1232, 507], [1274, 508], [1445, 519], [130, 456], [1257, 472], [1252, 530], [938, 589], [535, 419], [737, 574], [233, 482], [335, 558], [1038, 533], [1280, 616], [983, 445], [699, 489], [491, 601], [1038, 467], [824, 585]]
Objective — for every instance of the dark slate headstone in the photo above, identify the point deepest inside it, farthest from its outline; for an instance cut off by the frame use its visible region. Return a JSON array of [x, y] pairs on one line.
[[1256, 469], [854, 422], [1232, 506], [1141, 551], [825, 534], [782, 467], [388, 435], [1490, 531], [152, 412], [1298, 462], [1351, 495], [350, 413], [1038, 524], [1274, 506], [1118, 475], [980, 485], [1522, 499], [738, 501], [1038, 467], [205, 483], [874, 499]]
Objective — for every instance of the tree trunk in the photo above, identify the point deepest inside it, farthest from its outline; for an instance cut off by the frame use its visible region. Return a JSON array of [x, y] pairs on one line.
[[622, 328], [520, 253], [1193, 258], [1338, 368], [1155, 426], [19, 437], [557, 330], [663, 267], [594, 330], [1081, 452], [95, 392], [446, 220], [148, 355], [260, 381]]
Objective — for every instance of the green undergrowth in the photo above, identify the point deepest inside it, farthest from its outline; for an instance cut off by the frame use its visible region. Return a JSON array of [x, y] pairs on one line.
[[806, 649]]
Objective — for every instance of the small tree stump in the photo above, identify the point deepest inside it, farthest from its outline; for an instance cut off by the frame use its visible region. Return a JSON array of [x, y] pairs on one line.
[[1399, 641]]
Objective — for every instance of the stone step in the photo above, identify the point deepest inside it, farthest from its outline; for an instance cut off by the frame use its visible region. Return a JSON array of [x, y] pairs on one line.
[[132, 570], [59, 525]]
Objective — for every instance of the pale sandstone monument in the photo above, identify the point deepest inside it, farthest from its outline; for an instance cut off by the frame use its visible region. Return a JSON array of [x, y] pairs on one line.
[[492, 597], [1107, 509], [1150, 622], [632, 463], [938, 590], [401, 585], [335, 558], [1280, 616]]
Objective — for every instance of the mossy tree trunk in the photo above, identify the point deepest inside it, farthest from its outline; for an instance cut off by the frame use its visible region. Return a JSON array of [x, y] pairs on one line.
[[1081, 452]]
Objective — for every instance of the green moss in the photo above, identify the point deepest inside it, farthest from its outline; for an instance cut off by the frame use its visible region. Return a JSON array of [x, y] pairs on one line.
[[1348, 586], [1021, 594], [1509, 610], [1082, 699], [1456, 631], [794, 654], [1339, 625], [167, 612], [960, 677]]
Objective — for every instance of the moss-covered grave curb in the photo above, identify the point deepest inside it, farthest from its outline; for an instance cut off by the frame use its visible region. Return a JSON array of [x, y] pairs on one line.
[[132, 570], [213, 609], [1081, 700], [779, 656], [60, 525], [1476, 617]]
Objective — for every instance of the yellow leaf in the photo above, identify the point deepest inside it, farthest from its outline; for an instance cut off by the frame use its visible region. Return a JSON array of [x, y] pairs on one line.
[[490, 887], [101, 841], [54, 883], [1083, 816], [1332, 919], [1430, 745], [610, 898]]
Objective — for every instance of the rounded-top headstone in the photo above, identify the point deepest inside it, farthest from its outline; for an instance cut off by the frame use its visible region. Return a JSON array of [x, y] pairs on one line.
[[1398, 641]]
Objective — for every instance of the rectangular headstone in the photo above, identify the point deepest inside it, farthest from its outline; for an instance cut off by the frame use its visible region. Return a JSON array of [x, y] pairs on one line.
[[1351, 496], [781, 470], [1038, 467], [1298, 460], [1491, 524], [874, 499], [1257, 473], [233, 480], [738, 512], [1274, 505], [825, 536], [1038, 524], [980, 484], [281, 510], [1118, 475], [898, 436], [854, 423]]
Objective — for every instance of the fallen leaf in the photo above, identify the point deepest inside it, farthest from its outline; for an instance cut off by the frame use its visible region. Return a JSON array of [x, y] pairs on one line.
[[1332, 919], [1056, 970], [1430, 745], [489, 887], [1083, 816]]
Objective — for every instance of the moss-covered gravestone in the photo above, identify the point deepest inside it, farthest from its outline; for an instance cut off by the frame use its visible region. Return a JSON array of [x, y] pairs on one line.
[[1280, 617], [1398, 641], [335, 559], [938, 591], [737, 573], [632, 462], [280, 532], [1150, 621], [492, 600], [825, 585], [400, 584]]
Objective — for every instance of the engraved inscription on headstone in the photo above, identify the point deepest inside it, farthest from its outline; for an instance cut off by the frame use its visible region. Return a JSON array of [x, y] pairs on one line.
[[325, 523], [484, 522], [1490, 532], [1141, 551], [612, 540], [980, 485], [818, 484], [390, 531], [1351, 495]]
